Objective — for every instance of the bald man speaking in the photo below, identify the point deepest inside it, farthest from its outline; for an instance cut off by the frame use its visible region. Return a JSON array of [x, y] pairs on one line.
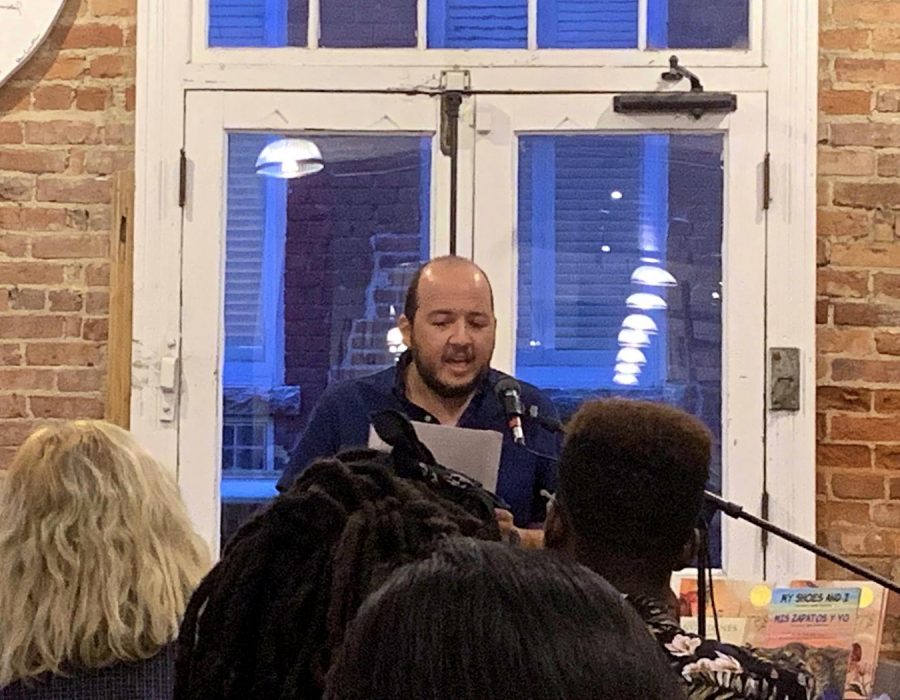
[[445, 377]]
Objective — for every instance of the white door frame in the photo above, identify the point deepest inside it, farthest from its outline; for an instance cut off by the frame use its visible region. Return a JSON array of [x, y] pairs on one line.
[[210, 117], [167, 69]]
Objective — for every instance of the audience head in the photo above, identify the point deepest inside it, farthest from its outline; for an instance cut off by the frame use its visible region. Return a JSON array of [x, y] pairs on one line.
[[269, 617], [99, 556], [478, 620], [631, 480]]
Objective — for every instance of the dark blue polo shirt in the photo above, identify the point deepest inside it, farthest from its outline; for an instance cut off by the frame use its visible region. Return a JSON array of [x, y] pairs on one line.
[[341, 420]]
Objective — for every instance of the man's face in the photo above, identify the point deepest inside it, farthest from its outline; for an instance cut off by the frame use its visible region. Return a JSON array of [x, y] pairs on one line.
[[452, 337]]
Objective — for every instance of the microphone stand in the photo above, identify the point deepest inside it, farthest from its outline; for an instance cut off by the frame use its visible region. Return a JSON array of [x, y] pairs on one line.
[[733, 510]]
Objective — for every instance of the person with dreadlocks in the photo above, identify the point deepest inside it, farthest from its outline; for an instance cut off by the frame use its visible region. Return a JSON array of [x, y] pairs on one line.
[[270, 617]]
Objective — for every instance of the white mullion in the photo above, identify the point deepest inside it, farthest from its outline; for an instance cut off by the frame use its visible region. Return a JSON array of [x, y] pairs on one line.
[[532, 25], [422, 25], [312, 31], [642, 25]]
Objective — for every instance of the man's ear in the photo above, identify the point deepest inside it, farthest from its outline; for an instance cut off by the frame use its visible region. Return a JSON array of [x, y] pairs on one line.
[[557, 532], [689, 552], [405, 326]]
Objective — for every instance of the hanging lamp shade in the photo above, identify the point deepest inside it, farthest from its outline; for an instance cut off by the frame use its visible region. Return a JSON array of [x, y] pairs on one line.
[[289, 158]]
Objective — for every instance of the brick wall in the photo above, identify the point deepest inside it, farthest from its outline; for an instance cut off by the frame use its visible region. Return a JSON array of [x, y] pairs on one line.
[[858, 308], [66, 125]]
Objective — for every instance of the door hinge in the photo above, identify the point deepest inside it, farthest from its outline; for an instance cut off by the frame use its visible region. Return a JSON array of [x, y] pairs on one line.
[[764, 514], [182, 179], [767, 181]]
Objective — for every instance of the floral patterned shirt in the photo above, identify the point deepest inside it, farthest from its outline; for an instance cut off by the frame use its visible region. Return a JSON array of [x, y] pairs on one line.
[[713, 670]]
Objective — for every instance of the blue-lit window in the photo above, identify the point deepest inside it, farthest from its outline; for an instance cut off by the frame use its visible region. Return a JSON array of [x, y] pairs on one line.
[[486, 24]]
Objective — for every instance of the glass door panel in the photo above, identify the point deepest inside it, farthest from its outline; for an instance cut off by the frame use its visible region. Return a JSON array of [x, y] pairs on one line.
[[308, 272], [636, 243]]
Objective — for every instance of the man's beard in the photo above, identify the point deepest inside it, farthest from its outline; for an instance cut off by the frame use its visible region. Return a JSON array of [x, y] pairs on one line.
[[445, 391]]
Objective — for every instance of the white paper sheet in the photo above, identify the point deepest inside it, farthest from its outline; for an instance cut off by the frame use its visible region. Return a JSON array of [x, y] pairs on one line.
[[475, 453]]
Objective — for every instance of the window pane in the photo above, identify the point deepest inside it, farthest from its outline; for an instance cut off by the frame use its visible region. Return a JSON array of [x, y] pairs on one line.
[[258, 22], [316, 273], [492, 24], [570, 24], [374, 23], [620, 269], [703, 24]]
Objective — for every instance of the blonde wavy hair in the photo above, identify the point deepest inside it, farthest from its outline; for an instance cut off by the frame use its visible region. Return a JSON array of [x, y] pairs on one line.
[[97, 555]]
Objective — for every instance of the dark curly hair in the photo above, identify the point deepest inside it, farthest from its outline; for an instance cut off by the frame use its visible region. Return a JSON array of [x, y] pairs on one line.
[[631, 477], [267, 620]]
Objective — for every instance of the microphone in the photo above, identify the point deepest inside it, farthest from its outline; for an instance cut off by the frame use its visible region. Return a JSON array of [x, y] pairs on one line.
[[508, 390]]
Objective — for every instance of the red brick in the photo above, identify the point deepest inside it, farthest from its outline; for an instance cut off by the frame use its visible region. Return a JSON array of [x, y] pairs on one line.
[[889, 164], [867, 194], [865, 254], [52, 97], [111, 66], [865, 314], [823, 193], [844, 39], [92, 99], [867, 70], [31, 273], [72, 407], [80, 380], [86, 36], [27, 378], [12, 406], [30, 219], [843, 223], [86, 246], [65, 300], [878, 134], [822, 256], [831, 512], [84, 190], [857, 486], [841, 283], [96, 275], [119, 134], [96, 303], [33, 161], [872, 371], [95, 329], [853, 341], [73, 354], [838, 398], [886, 286], [14, 432], [11, 132], [821, 426], [25, 299], [873, 12], [108, 161], [31, 327], [887, 402], [886, 514], [886, 39], [113, 8], [67, 68], [821, 311], [865, 428], [129, 98], [887, 343], [845, 101], [61, 131], [10, 354], [840, 161], [16, 189], [888, 101], [846, 456], [12, 245], [72, 327], [887, 457]]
